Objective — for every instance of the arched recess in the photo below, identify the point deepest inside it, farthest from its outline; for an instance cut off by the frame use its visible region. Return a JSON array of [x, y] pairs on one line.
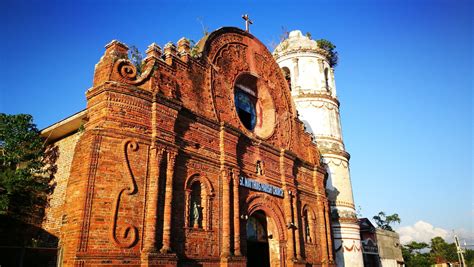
[[265, 203], [309, 224], [326, 79], [203, 206], [259, 202]]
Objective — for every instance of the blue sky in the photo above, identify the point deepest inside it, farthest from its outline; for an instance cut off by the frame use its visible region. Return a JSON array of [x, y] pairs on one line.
[[404, 80]]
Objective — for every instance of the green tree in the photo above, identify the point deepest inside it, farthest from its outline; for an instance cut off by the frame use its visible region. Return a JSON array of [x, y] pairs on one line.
[[383, 221], [469, 257], [414, 254], [422, 254], [25, 171], [441, 251], [331, 49], [417, 247]]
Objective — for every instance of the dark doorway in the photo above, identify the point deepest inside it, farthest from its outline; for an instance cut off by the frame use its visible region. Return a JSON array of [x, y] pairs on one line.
[[257, 241]]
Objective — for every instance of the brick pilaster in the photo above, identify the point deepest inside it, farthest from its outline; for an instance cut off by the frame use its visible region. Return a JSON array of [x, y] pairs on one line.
[[328, 230], [152, 201], [297, 227], [171, 156], [287, 209], [323, 235], [236, 217], [225, 250]]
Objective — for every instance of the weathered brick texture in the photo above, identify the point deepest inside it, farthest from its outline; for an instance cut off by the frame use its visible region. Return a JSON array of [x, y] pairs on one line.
[[151, 137]]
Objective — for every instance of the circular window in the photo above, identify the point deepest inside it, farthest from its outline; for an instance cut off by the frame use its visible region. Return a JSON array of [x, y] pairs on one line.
[[245, 101], [254, 105]]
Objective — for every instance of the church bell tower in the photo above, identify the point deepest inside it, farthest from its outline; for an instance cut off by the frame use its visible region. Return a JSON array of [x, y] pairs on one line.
[[311, 79]]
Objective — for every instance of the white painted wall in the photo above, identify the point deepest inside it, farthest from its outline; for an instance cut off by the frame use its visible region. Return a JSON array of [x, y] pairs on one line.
[[321, 115], [307, 73]]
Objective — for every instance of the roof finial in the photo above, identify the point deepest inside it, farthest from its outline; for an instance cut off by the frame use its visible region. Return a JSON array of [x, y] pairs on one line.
[[247, 22]]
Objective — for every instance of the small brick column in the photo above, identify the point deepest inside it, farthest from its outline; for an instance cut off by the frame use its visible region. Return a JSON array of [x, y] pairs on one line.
[[236, 218], [225, 250], [171, 156]]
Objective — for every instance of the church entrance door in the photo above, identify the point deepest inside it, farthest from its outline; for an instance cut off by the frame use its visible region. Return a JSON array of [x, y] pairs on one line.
[[257, 241]]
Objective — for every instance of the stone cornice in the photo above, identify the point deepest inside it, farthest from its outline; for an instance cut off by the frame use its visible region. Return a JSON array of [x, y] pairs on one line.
[[316, 95], [123, 88], [289, 51], [342, 153], [343, 204]]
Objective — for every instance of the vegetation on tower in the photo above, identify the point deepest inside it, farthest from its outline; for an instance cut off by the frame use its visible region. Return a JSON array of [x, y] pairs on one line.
[[331, 49]]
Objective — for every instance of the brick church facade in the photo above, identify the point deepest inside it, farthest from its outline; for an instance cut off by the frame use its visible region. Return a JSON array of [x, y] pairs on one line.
[[198, 159]]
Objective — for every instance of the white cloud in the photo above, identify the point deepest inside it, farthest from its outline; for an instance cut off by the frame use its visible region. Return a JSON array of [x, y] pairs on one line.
[[423, 232]]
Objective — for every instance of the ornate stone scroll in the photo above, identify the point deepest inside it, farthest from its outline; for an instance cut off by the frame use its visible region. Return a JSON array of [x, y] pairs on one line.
[[230, 60], [129, 234]]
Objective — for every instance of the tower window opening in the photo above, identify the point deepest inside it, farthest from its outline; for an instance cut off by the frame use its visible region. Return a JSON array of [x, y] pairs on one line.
[[245, 96], [326, 78]]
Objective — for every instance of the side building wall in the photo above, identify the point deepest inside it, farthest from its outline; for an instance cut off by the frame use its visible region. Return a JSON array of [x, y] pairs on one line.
[[55, 210], [390, 250]]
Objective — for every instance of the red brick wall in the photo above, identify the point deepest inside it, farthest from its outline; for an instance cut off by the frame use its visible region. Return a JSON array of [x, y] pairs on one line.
[[173, 122]]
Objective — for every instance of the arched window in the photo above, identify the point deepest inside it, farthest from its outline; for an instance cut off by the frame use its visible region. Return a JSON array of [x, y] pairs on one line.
[[245, 96], [326, 78], [287, 74]]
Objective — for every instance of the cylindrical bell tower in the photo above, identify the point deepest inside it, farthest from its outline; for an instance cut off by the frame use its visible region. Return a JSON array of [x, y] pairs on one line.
[[311, 78]]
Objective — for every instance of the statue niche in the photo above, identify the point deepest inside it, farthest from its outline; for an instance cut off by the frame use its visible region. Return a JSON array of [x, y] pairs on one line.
[[195, 215], [199, 194]]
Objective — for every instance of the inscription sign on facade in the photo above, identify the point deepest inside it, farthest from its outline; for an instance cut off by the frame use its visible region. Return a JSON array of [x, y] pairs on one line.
[[252, 184], [369, 247]]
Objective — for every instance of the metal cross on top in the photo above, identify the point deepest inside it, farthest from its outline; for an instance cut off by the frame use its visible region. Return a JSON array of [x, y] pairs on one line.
[[247, 22]]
